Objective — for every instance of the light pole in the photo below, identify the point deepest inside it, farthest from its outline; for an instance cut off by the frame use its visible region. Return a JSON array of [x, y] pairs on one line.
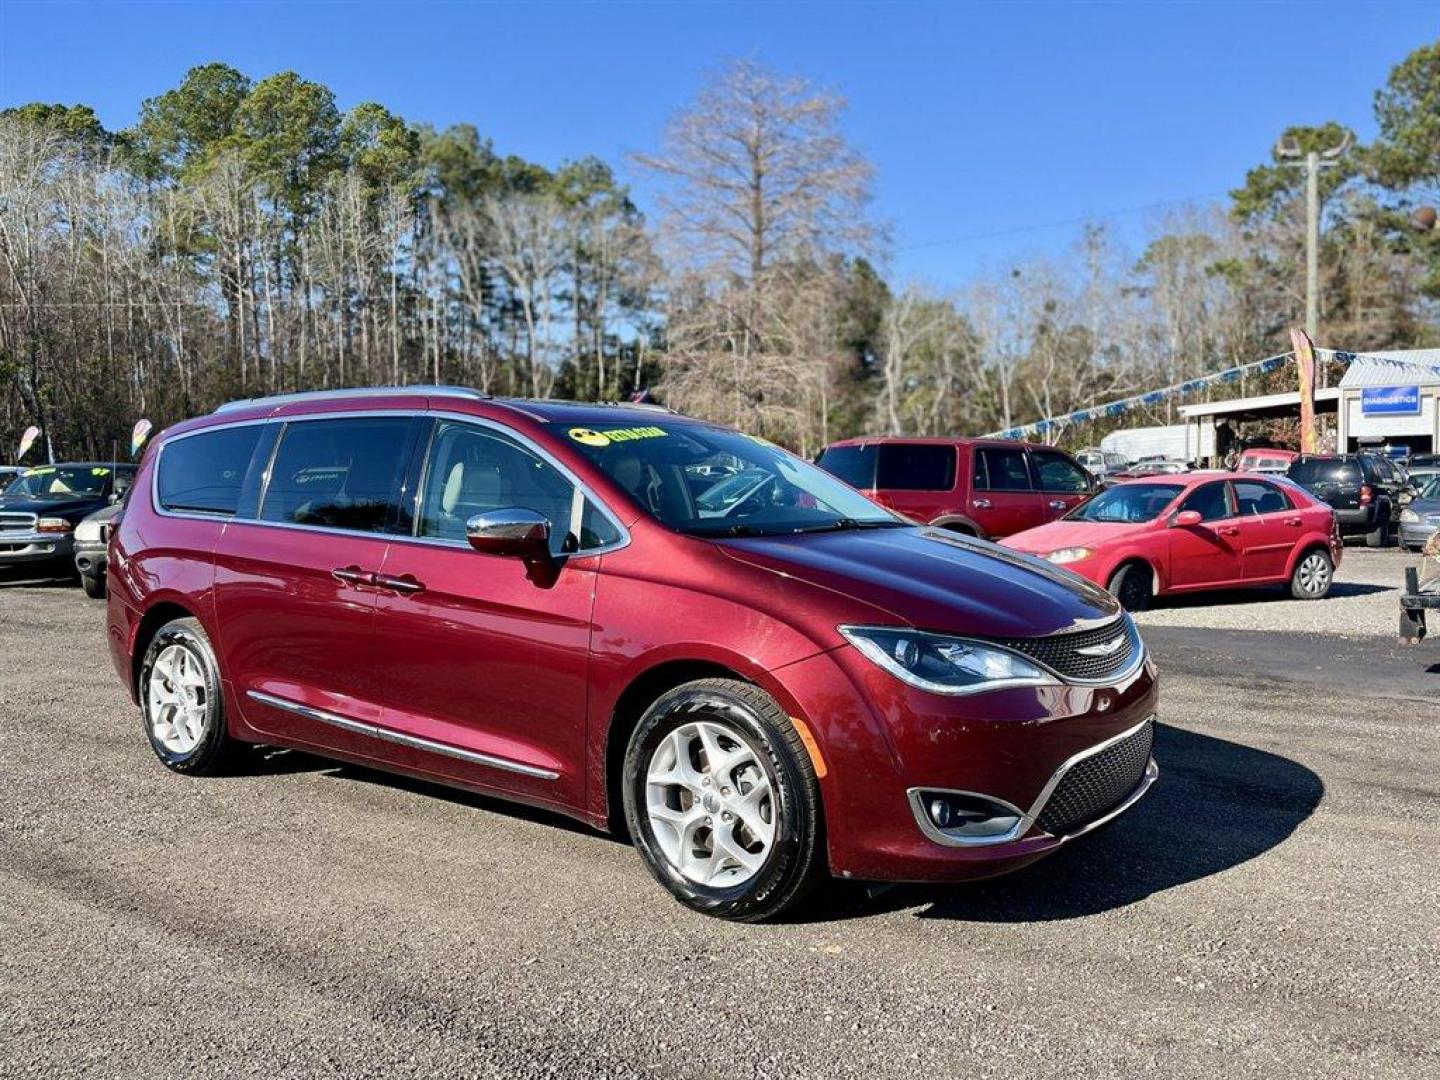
[[1289, 152]]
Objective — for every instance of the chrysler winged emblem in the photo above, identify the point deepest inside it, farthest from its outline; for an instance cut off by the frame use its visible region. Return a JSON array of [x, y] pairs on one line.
[[1105, 648]]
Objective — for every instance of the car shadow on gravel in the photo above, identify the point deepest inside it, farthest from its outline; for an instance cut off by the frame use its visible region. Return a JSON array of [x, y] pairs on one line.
[[272, 761], [1230, 597], [1216, 805]]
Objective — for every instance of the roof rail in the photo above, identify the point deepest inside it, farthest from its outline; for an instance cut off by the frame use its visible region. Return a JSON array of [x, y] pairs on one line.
[[581, 403], [360, 391]]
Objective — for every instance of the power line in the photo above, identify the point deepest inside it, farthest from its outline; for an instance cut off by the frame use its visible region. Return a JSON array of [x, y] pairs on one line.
[[1042, 226]]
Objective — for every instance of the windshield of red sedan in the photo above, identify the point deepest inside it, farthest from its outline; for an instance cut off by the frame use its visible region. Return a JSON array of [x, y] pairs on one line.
[[1128, 503], [713, 482]]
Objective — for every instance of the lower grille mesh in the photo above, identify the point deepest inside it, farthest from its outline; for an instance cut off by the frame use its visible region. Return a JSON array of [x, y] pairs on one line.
[[1098, 784]]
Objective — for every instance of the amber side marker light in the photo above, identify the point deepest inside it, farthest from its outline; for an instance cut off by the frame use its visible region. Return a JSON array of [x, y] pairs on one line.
[[811, 745]]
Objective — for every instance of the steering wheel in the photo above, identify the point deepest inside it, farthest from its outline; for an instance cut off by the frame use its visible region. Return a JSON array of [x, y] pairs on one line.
[[763, 486]]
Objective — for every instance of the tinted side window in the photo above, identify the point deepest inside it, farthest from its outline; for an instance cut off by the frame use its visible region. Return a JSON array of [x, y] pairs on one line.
[[341, 474], [473, 470], [1001, 470], [1209, 500], [204, 473], [1056, 472], [1255, 498], [853, 464], [916, 467], [1325, 470]]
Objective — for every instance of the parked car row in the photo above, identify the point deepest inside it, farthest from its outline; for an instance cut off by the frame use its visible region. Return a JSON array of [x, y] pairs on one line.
[[54, 518]]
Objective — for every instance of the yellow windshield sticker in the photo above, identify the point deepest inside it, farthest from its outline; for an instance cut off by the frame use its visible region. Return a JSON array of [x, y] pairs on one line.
[[99, 472], [590, 437]]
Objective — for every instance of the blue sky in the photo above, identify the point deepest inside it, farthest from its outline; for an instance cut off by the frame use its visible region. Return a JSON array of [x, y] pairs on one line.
[[985, 120]]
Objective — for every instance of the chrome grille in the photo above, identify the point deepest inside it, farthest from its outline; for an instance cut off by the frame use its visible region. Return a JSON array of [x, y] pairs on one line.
[[1088, 655], [1097, 784], [13, 522]]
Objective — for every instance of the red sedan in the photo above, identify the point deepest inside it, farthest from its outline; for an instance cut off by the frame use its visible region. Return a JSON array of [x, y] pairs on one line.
[[1156, 536]]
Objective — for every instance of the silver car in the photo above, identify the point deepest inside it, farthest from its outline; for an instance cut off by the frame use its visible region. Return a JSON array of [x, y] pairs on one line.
[[1420, 520]]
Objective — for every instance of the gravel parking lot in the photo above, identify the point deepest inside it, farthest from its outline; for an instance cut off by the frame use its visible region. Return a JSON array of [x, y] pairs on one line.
[[1271, 909]]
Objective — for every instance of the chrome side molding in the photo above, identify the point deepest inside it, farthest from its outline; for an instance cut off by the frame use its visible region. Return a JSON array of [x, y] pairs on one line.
[[374, 731]]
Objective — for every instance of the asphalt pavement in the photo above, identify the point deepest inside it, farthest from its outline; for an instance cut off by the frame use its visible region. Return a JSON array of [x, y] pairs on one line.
[[1269, 910]]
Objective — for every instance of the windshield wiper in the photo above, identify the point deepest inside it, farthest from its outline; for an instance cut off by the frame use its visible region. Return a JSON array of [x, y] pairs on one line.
[[845, 524], [730, 530]]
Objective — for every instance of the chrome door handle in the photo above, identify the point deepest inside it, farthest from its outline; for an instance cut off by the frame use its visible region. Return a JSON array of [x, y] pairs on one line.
[[352, 575], [981, 504], [1057, 504], [1230, 530], [1293, 521], [405, 584]]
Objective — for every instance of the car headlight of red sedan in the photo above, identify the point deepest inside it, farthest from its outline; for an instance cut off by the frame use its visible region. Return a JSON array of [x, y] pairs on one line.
[[942, 664], [1070, 554]]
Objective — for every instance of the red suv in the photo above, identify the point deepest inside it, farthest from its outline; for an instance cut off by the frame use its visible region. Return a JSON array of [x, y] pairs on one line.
[[639, 620], [981, 487]]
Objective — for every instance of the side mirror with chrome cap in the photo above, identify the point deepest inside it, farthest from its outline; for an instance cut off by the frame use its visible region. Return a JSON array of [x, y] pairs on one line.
[[511, 532], [1187, 518]]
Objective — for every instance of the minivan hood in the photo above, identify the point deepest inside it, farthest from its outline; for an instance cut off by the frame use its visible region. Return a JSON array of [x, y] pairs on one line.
[[935, 580]]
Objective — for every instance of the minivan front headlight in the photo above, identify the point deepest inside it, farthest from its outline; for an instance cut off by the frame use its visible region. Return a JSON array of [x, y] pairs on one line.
[[942, 664], [1409, 516]]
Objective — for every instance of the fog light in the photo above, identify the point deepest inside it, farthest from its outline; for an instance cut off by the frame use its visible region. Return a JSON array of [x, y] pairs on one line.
[[964, 817], [940, 812]]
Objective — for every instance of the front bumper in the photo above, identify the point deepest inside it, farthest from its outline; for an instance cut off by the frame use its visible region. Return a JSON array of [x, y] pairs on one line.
[[1417, 533], [90, 558], [886, 743], [33, 547]]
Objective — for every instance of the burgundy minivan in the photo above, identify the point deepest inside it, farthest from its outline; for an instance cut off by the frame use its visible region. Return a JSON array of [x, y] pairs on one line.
[[989, 488], [640, 620]]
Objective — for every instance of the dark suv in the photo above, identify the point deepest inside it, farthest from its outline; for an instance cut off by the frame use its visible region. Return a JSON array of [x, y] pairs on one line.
[[1364, 491], [41, 507], [981, 487]]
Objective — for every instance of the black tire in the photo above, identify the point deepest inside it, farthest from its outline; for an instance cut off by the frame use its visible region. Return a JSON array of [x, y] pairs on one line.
[[795, 862], [215, 748], [1133, 586], [1316, 584], [94, 586], [1379, 536]]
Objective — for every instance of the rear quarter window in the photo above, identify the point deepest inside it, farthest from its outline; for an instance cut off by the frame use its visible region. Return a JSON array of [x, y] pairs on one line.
[[204, 473], [853, 464], [916, 467], [1325, 472]]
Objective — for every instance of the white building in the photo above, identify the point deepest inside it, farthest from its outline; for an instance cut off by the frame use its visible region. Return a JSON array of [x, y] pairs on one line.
[[1386, 403]]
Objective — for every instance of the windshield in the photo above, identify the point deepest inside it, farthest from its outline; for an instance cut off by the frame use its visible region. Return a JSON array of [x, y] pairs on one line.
[[1128, 503], [1432, 489], [712, 482], [60, 482]]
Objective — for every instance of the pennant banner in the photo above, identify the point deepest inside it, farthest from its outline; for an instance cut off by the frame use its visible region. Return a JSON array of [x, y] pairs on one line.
[[1151, 397], [27, 439], [1340, 356], [138, 436]]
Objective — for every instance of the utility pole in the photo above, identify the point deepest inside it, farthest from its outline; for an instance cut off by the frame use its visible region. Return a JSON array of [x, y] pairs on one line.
[[1288, 152], [1312, 244]]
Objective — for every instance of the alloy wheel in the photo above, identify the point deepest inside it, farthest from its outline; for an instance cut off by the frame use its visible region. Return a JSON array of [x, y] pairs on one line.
[[177, 699], [710, 804]]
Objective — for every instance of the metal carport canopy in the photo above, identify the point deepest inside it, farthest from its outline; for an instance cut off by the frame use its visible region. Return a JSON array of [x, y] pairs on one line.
[[1262, 407]]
